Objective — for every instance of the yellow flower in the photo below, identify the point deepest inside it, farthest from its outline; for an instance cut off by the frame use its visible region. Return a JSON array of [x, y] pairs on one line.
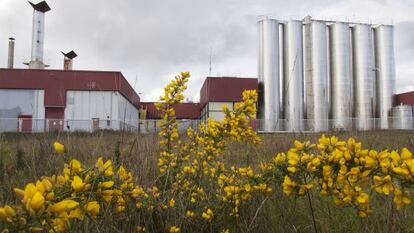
[[363, 198], [78, 185], [401, 198], [75, 166], [60, 225], [207, 215], [174, 229], [383, 185], [19, 192], [2, 214], [64, 205], [8, 212], [37, 202], [76, 214], [189, 214], [107, 184], [92, 208], [288, 186], [29, 192], [59, 148], [185, 74], [171, 203]]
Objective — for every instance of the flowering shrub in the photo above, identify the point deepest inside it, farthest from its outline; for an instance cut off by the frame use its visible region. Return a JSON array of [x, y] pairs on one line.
[[197, 190]]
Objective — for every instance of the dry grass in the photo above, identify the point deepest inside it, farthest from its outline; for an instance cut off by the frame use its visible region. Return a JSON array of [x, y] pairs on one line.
[[27, 157]]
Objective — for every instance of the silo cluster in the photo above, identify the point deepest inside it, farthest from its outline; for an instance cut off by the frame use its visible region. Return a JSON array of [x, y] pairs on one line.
[[317, 75]]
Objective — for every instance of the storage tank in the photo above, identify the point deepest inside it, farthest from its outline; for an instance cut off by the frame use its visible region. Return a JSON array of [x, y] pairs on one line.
[[316, 73], [293, 75], [363, 67], [340, 80], [402, 117], [385, 73], [268, 74]]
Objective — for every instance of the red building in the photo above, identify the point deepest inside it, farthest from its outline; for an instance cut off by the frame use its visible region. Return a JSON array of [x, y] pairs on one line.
[[215, 93], [66, 99], [218, 92], [406, 98]]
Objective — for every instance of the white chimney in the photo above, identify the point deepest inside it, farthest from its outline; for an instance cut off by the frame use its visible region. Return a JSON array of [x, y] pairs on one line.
[[38, 34], [10, 60]]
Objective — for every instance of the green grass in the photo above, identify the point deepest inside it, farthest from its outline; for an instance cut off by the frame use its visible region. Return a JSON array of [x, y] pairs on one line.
[[27, 157]]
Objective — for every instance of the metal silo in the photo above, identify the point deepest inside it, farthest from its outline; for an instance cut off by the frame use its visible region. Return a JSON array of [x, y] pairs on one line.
[[293, 75], [316, 73], [385, 72], [402, 117], [363, 65], [268, 74], [340, 82]]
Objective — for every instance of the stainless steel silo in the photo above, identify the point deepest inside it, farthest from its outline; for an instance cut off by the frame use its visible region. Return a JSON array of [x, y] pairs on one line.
[[316, 73], [340, 80], [402, 117], [293, 75], [268, 74], [363, 74], [385, 73]]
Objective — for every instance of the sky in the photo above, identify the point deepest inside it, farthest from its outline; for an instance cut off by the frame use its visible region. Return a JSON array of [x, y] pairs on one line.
[[150, 41]]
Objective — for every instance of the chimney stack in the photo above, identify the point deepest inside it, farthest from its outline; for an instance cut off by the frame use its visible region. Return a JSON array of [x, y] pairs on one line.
[[68, 60], [10, 61], [38, 33]]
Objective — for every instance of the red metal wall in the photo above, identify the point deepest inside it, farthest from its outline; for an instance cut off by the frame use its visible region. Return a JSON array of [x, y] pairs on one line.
[[406, 98], [55, 83], [182, 110], [225, 89]]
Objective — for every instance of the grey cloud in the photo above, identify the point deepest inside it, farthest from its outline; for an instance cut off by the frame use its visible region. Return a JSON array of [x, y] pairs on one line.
[[154, 39]]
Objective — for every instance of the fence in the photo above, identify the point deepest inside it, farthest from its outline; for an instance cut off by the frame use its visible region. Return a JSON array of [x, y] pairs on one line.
[[29, 125], [346, 124]]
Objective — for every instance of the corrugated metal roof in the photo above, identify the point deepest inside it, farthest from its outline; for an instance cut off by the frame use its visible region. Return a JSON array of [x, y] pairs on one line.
[[225, 89], [57, 82]]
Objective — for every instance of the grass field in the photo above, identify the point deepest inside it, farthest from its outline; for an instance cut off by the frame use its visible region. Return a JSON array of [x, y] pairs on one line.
[[27, 157]]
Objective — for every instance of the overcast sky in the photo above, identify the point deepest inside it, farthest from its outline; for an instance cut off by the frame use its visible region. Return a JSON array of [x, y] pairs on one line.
[[151, 40]]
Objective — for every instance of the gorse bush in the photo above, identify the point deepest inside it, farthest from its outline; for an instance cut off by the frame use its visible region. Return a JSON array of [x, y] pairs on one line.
[[196, 190]]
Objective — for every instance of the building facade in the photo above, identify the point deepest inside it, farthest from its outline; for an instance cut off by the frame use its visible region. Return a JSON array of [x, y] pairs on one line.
[[48, 100]]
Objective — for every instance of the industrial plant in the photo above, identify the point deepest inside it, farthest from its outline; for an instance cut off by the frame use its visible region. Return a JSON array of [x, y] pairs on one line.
[[317, 75], [313, 75]]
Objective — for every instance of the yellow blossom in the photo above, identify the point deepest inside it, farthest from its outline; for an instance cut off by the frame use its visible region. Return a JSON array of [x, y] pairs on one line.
[[59, 148], [92, 208]]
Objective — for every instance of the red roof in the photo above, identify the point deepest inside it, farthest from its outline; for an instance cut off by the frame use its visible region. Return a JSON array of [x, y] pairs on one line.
[[225, 89], [182, 110], [406, 98], [55, 83]]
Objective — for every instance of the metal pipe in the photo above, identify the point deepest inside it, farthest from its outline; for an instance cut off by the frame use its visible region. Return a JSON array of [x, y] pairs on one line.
[[10, 60]]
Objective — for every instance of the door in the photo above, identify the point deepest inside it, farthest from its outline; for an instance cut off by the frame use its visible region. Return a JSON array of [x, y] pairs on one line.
[[24, 123]]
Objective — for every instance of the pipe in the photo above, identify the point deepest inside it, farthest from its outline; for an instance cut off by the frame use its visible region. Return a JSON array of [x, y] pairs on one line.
[[10, 61]]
